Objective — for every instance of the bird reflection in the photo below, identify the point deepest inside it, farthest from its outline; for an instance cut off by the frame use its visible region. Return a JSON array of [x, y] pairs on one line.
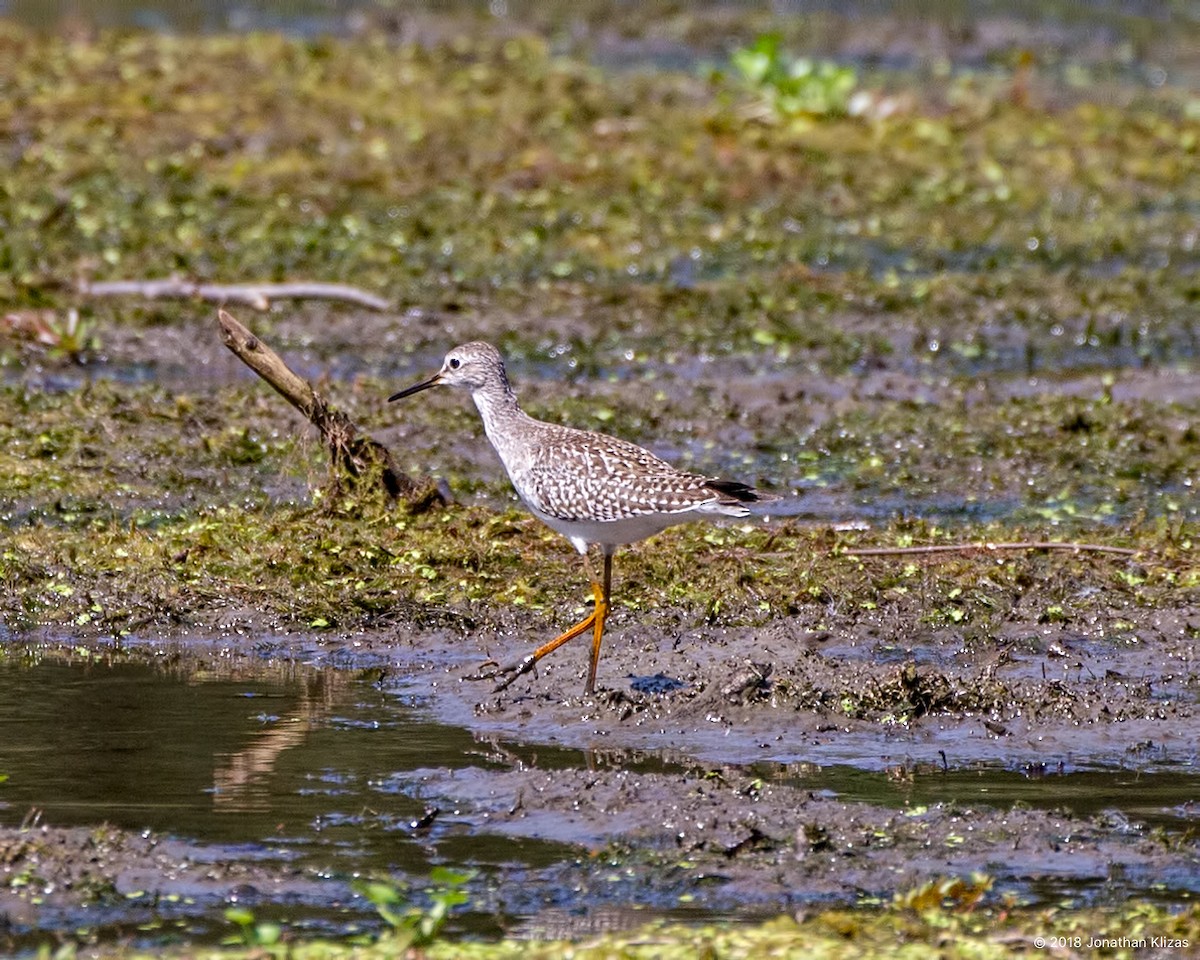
[[241, 780]]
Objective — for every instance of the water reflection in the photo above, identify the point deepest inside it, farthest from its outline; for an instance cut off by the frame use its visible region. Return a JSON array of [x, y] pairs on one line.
[[292, 759], [327, 776], [241, 780]]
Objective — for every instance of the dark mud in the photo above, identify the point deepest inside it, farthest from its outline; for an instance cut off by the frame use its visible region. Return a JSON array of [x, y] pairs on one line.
[[779, 723], [831, 730], [799, 765], [836, 740], [58, 878]]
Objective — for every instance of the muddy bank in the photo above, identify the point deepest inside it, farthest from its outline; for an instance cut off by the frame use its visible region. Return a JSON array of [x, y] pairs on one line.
[[715, 770], [58, 878], [732, 842], [779, 724], [940, 335], [720, 841]]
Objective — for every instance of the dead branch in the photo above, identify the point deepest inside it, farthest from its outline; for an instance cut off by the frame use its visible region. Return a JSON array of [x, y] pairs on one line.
[[348, 451], [989, 548], [255, 295]]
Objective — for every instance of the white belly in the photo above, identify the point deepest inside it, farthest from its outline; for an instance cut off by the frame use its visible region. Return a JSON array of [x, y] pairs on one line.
[[615, 533]]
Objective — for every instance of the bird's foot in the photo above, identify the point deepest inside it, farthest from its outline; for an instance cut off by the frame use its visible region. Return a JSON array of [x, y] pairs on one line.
[[491, 670]]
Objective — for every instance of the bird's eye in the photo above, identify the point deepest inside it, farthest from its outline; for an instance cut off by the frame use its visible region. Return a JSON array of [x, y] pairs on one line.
[[455, 363]]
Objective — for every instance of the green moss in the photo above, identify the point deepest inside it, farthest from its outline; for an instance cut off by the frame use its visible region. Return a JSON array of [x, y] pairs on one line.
[[838, 935], [964, 244], [494, 169]]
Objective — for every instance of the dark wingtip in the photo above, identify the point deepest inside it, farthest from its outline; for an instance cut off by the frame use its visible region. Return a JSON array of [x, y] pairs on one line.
[[740, 492]]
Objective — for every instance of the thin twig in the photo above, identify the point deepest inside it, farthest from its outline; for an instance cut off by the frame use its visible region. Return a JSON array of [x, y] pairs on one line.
[[270, 366], [255, 295], [348, 449], [989, 548]]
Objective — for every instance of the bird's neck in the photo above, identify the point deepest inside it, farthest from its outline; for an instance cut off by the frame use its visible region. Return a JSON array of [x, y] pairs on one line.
[[500, 411]]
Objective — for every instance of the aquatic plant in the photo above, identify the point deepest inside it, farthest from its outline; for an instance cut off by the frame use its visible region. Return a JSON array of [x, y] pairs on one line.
[[417, 926], [66, 337], [251, 932], [794, 86], [945, 893]]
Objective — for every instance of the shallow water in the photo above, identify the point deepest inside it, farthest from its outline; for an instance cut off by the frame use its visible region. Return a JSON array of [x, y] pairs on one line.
[[288, 759], [308, 769], [336, 776], [328, 774]]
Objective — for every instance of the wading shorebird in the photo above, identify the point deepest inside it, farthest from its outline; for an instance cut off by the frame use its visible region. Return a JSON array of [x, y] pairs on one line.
[[590, 487]]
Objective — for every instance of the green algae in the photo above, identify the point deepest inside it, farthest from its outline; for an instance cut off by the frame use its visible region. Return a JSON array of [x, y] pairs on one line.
[[126, 503], [495, 169], [936, 930], [970, 240]]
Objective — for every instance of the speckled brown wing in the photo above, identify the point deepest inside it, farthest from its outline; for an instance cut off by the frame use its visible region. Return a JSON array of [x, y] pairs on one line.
[[578, 475]]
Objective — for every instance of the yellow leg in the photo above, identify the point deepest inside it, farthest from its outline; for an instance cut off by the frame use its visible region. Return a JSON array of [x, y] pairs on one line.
[[600, 614], [594, 620], [527, 663]]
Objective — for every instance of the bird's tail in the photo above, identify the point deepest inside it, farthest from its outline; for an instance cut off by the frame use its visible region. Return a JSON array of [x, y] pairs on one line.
[[737, 492]]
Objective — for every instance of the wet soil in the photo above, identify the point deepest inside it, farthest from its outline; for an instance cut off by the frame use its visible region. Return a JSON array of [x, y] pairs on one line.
[[57, 876], [1051, 680], [778, 723], [1058, 726]]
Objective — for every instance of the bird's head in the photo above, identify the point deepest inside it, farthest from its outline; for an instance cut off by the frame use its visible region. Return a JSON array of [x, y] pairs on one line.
[[472, 366]]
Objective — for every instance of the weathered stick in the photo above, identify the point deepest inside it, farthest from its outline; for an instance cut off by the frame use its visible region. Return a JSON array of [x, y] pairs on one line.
[[989, 547], [347, 450], [256, 295]]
